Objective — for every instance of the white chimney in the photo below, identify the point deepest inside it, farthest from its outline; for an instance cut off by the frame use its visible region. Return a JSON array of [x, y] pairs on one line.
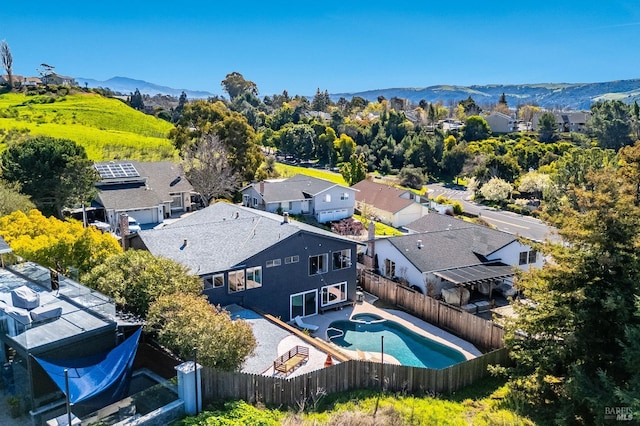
[[285, 217]]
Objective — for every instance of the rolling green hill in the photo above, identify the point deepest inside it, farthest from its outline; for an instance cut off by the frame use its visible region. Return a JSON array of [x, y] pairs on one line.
[[107, 128]]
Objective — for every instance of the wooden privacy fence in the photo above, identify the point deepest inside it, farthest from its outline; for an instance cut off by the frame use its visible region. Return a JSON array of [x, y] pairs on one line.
[[350, 375], [482, 333]]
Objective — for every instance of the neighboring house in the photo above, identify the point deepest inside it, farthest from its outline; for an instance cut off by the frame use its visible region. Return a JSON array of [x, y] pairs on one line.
[[148, 192], [259, 260], [62, 80], [568, 121], [501, 123], [392, 206], [52, 318], [442, 252], [326, 201]]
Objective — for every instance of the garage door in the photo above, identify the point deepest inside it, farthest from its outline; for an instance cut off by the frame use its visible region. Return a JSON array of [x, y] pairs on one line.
[[331, 215], [145, 216]]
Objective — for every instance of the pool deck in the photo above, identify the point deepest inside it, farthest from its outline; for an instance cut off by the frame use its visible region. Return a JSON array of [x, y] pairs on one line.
[[277, 341]]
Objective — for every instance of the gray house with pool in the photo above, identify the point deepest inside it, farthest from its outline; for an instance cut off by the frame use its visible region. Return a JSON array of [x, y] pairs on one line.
[[259, 260]]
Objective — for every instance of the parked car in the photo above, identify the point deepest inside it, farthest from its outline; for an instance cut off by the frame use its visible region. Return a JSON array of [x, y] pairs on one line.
[[134, 226]]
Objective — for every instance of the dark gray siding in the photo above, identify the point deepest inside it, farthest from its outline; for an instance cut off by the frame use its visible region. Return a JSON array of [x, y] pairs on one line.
[[279, 282]]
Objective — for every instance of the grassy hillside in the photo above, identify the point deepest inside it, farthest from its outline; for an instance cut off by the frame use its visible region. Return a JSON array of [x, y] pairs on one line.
[[286, 170], [107, 128]]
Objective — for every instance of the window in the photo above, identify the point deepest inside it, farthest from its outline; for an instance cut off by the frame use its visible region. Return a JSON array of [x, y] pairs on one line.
[[342, 259], [327, 198], [176, 201], [236, 281], [389, 268], [335, 293], [533, 256], [291, 259], [254, 277], [524, 256], [318, 264], [274, 262], [303, 304], [255, 201], [344, 196], [213, 281]]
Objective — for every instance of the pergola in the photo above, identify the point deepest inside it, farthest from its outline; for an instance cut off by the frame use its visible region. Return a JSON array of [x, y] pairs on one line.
[[476, 274]]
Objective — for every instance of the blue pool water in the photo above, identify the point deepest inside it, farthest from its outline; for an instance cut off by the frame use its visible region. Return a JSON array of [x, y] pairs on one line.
[[363, 332]]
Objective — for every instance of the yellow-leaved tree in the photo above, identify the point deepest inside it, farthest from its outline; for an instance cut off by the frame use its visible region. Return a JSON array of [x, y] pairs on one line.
[[58, 244]]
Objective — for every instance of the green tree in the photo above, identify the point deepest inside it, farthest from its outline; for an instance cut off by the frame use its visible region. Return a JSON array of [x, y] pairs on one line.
[[547, 128], [56, 243], [534, 182], [201, 118], [136, 101], [182, 101], [11, 200], [475, 128], [355, 170], [571, 342], [326, 150], [235, 85], [183, 322], [610, 124], [412, 177], [496, 189], [55, 173], [136, 278], [345, 146]]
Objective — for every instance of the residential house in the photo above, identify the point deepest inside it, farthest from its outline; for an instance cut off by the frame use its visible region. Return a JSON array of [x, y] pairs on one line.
[[568, 121], [259, 260], [326, 201], [62, 80], [392, 206], [442, 252], [149, 192], [48, 316], [501, 123]]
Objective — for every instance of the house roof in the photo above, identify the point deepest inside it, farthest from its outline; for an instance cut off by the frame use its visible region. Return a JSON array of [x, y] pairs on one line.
[[298, 187], [223, 236], [153, 185], [439, 222], [439, 250], [382, 197], [82, 312], [4, 247]]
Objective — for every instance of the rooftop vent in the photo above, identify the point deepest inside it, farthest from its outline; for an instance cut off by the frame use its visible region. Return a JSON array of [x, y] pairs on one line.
[[420, 244]]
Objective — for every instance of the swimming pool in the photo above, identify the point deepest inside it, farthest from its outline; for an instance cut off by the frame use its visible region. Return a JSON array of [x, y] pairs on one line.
[[363, 331]]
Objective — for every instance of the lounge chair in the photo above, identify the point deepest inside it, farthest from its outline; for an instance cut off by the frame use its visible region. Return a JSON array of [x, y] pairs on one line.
[[304, 325]]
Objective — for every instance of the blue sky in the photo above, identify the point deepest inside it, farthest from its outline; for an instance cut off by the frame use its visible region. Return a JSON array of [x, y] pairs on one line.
[[339, 46]]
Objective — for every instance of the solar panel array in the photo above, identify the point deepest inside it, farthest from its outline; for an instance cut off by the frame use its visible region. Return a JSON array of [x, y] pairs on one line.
[[116, 170]]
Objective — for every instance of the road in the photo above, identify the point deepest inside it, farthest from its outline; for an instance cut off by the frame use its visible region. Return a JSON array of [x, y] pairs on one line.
[[525, 226]]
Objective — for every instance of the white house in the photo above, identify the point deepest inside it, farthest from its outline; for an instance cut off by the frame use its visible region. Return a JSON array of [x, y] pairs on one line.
[[444, 252], [392, 206], [326, 201]]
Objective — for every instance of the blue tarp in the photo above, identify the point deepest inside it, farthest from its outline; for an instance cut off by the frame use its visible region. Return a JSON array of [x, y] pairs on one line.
[[87, 381]]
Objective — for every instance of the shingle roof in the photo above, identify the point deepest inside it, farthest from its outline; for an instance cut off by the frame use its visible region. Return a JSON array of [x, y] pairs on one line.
[[438, 222], [157, 181], [298, 187], [451, 248], [222, 236], [383, 197]]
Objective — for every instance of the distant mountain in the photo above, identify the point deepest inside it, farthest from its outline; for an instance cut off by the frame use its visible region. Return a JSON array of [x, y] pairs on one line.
[[563, 95], [128, 85]]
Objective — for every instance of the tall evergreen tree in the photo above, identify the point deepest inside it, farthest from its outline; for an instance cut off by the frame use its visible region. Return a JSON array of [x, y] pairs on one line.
[[570, 340]]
